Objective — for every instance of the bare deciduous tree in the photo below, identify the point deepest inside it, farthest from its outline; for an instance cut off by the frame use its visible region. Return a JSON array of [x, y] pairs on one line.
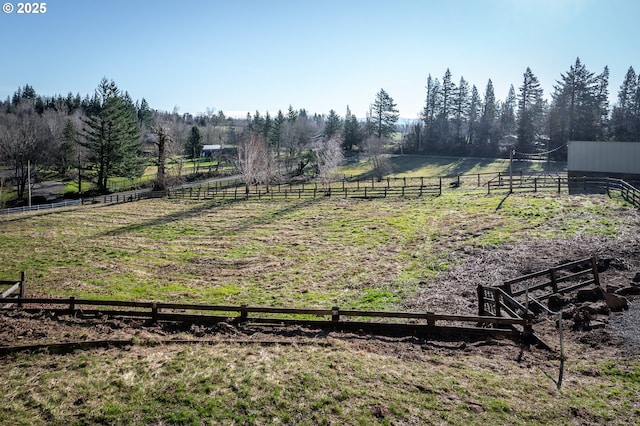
[[253, 160], [24, 143], [166, 133], [328, 156], [376, 153]]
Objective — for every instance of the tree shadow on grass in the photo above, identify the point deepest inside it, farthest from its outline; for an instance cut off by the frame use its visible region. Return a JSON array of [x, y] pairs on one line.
[[265, 217]]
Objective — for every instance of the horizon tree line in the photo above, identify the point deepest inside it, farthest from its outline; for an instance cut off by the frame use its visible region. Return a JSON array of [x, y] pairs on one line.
[[108, 134]]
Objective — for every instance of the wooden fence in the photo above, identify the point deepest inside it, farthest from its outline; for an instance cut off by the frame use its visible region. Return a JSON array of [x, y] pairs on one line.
[[15, 291], [391, 187], [629, 193], [375, 322], [514, 298]]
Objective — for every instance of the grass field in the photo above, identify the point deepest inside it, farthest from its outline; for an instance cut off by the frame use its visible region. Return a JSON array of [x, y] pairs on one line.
[[365, 254], [410, 165]]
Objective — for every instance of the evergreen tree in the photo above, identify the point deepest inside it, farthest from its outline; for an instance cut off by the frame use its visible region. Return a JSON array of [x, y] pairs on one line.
[[625, 119], [112, 134], [145, 114], [530, 109], [508, 113], [444, 114], [461, 104], [352, 131], [65, 154], [292, 115], [276, 132], [266, 126], [475, 105], [602, 96], [487, 128], [576, 110], [384, 115], [332, 125], [194, 144], [429, 113]]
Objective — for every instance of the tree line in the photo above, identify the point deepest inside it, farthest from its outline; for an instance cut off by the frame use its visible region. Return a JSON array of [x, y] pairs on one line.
[[457, 120], [107, 134]]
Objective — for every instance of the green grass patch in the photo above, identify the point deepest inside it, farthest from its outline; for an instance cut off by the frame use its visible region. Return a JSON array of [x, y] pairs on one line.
[[304, 253], [340, 384]]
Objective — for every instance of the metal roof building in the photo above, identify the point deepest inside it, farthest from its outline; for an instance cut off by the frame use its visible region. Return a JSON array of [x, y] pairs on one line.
[[597, 158]]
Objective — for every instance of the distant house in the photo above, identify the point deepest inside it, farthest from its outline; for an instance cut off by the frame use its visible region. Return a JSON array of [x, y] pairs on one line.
[[210, 150], [607, 159]]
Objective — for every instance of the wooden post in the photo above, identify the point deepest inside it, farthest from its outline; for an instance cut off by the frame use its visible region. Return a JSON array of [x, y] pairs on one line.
[[243, 313], [335, 314], [154, 312], [559, 183], [72, 304], [535, 184], [480, 300], [431, 321], [496, 298], [23, 283], [554, 283], [594, 267]]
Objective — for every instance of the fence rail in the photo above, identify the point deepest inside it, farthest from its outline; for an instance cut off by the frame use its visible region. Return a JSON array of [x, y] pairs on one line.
[[372, 321], [15, 291], [39, 207], [341, 190], [630, 193], [514, 296]]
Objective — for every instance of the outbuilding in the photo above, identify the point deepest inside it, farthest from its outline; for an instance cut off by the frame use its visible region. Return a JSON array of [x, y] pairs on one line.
[[604, 159], [210, 150]]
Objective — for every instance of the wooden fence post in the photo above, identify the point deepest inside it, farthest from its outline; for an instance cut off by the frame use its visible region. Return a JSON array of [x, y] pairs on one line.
[[594, 267], [431, 321], [554, 283], [72, 304], [480, 300], [335, 314], [243, 313], [154, 312], [23, 283]]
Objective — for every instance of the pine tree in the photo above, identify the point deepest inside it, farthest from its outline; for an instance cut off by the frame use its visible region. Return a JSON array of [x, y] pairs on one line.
[[576, 108], [461, 103], [431, 108], [332, 125], [384, 115], [474, 116], [508, 113], [275, 132], [194, 143], [352, 131], [112, 134], [625, 119], [530, 108], [444, 114], [602, 96], [488, 125]]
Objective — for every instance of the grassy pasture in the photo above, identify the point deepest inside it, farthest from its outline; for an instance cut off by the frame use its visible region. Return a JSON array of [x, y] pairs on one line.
[[304, 253], [415, 165], [301, 253]]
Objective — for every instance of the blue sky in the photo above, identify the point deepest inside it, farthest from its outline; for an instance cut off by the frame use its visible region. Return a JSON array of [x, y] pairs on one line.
[[243, 56]]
